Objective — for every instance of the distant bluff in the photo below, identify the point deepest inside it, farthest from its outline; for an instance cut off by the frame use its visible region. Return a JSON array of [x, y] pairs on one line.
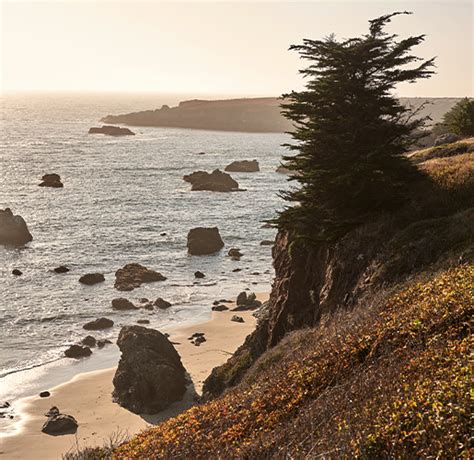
[[247, 115]]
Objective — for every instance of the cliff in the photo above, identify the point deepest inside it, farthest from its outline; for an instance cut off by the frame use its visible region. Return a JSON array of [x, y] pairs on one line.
[[247, 115], [361, 350]]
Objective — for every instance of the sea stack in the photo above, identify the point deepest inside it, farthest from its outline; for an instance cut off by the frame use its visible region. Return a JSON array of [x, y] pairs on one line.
[[13, 229]]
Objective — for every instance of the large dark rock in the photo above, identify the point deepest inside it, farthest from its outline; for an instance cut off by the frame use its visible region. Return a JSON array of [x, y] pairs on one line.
[[13, 229], [243, 166], [77, 351], [162, 303], [91, 278], [58, 424], [51, 180], [247, 302], [132, 276], [112, 131], [217, 181], [98, 324], [202, 241], [150, 375]]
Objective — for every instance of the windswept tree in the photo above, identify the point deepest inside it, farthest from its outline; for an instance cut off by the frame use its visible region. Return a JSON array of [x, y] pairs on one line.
[[350, 131]]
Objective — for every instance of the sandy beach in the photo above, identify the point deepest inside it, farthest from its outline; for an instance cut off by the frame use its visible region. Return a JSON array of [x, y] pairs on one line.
[[87, 396]]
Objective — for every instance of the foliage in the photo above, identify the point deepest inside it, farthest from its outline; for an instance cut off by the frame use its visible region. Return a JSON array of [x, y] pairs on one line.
[[443, 151], [459, 120], [391, 380], [350, 131]]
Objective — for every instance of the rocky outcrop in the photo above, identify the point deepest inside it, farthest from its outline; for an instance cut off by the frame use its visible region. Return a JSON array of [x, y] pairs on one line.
[[204, 241], [112, 131], [217, 181], [92, 278], [13, 229], [243, 166], [98, 324], [235, 254], [150, 375], [134, 275], [51, 180]]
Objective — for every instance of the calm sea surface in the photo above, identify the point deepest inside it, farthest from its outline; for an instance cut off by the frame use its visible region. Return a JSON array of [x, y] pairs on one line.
[[119, 196]]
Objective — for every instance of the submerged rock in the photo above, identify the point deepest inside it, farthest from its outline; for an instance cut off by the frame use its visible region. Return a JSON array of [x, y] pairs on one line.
[[204, 241], [199, 274], [91, 278], [13, 229], [89, 341], [17, 272], [235, 254], [51, 180], [217, 181], [112, 131], [150, 375], [98, 324], [133, 275], [243, 166], [101, 343]]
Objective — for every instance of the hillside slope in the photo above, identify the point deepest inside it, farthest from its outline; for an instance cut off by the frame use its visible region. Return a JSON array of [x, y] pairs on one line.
[[362, 350]]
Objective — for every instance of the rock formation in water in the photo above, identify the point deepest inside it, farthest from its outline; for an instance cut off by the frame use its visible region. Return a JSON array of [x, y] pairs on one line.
[[217, 181], [98, 324], [150, 375], [243, 166], [112, 131], [51, 180], [13, 229], [90, 279], [134, 275], [204, 241]]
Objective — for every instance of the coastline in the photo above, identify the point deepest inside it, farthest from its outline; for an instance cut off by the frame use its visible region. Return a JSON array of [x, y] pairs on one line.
[[87, 396]]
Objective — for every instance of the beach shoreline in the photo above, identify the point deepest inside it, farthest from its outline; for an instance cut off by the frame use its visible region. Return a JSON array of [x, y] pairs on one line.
[[87, 396]]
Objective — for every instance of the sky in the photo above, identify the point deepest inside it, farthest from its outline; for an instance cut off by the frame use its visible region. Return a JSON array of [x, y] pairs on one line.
[[221, 48]]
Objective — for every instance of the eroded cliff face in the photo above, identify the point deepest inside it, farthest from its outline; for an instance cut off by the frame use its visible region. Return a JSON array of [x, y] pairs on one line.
[[312, 281]]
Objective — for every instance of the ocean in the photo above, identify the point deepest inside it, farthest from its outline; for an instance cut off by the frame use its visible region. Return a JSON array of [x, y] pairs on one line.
[[124, 200]]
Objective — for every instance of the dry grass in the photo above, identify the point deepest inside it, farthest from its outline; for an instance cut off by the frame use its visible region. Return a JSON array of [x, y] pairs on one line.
[[387, 381], [442, 151]]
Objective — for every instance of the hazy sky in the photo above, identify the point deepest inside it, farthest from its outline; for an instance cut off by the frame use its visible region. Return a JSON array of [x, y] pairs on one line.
[[219, 48]]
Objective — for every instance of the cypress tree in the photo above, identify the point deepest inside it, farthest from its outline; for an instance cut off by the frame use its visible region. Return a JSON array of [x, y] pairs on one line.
[[351, 131]]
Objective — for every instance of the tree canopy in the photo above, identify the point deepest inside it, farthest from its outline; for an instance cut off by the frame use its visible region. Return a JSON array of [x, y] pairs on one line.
[[459, 120], [350, 131]]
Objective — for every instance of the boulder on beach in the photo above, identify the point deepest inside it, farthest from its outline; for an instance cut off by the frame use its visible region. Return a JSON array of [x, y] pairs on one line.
[[217, 181], [237, 319], [133, 275], [161, 303], [204, 241], [77, 351], [112, 131], [13, 229], [219, 308], [247, 302], [51, 180], [122, 304], [91, 278], [58, 423], [98, 324], [150, 375], [45, 394], [243, 166]]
